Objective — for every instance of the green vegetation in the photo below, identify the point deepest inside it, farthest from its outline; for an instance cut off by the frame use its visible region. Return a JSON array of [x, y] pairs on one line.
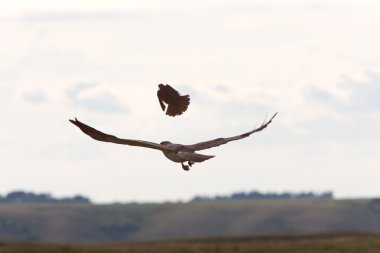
[[293, 244], [86, 223], [30, 197], [256, 195]]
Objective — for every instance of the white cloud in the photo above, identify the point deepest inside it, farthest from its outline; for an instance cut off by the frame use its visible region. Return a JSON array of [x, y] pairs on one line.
[[35, 97], [237, 64], [364, 94], [98, 102]]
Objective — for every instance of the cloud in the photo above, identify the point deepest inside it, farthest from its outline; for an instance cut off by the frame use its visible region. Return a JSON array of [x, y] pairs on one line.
[[186, 89], [320, 96], [71, 16], [99, 102], [364, 95], [223, 88], [4, 143], [317, 6], [36, 97], [240, 109], [335, 119]]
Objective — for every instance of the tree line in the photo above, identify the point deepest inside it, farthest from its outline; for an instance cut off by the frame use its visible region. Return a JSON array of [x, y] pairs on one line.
[[30, 197], [256, 195]]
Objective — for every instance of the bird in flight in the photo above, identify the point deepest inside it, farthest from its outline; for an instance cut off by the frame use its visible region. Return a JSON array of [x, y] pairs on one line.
[[178, 153], [177, 104]]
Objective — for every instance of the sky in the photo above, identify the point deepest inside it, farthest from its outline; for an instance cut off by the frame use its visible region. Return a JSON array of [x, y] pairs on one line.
[[316, 63]]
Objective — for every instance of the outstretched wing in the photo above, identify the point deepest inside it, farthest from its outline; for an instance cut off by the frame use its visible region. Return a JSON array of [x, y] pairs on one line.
[[221, 141], [100, 136]]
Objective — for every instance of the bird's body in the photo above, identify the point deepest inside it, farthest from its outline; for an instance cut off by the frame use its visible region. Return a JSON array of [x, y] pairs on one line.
[[177, 104], [178, 153], [183, 153], [172, 156], [176, 148]]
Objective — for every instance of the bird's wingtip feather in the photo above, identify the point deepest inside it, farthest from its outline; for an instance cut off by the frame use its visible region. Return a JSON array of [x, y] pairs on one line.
[[74, 121]]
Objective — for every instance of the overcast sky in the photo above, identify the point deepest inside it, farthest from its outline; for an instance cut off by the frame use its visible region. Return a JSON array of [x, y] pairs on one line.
[[315, 62]]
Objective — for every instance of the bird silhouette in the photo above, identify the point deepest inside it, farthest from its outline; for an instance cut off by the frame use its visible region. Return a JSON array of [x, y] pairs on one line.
[[178, 153], [177, 104]]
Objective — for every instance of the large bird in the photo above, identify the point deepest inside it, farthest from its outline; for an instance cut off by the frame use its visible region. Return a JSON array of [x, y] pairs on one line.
[[175, 152], [177, 104]]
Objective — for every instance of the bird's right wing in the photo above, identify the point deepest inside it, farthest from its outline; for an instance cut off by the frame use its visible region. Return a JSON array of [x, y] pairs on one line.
[[100, 136], [221, 141]]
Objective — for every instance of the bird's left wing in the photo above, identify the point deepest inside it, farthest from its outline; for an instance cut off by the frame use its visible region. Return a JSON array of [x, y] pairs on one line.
[[221, 141], [100, 136], [160, 99]]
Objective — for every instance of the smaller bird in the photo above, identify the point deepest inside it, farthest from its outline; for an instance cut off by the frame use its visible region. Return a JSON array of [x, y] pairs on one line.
[[177, 104]]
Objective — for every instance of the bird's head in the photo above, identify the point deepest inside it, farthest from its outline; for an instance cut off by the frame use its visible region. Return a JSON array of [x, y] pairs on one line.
[[165, 143], [161, 86]]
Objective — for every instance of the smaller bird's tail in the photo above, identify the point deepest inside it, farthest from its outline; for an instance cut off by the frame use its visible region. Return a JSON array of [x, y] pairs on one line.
[[179, 107]]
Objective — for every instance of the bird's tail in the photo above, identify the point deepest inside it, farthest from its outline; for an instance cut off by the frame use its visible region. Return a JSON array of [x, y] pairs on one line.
[[194, 157], [179, 107]]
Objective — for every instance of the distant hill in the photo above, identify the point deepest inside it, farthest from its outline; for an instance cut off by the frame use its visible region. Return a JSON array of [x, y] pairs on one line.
[[256, 195], [83, 223], [30, 197]]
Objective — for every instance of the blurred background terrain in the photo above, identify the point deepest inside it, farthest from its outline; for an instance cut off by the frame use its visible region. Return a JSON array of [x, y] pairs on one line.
[[316, 62], [42, 218]]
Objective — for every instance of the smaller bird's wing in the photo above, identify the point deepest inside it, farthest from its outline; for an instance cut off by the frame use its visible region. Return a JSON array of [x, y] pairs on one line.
[[163, 107], [170, 90], [160, 96], [100, 136], [221, 141]]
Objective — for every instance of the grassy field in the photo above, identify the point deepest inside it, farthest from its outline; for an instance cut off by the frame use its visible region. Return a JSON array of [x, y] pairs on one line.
[[75, 224], [342, 243]]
